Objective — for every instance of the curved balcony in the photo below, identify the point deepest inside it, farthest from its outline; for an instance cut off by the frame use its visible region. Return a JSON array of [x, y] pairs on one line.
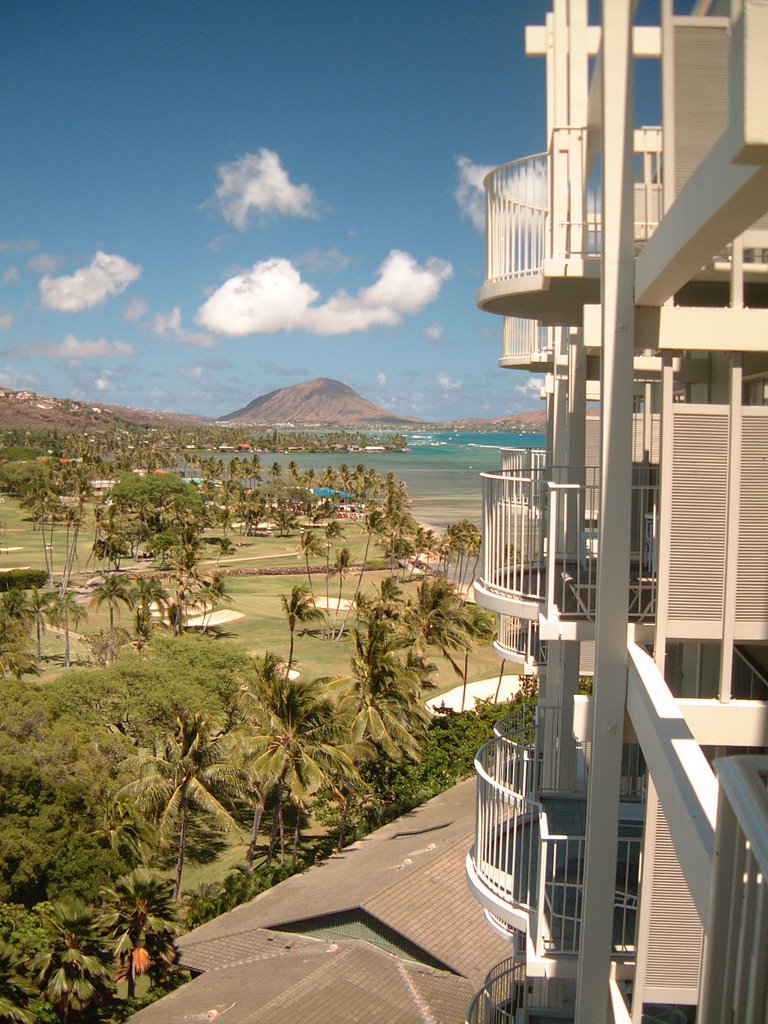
[[540, 545], [502, 996], [526, 344], [527, 864], [517, 640], [544, 231]]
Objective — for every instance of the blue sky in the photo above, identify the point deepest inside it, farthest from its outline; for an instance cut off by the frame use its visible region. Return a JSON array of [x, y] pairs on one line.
[[205, 201]]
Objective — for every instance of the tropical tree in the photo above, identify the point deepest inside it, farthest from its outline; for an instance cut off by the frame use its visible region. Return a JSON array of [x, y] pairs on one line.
[[299, 743], [341, 565], [39, 602], [311, 547], [140, 919], [189, 770], [481, 627], [65, 612], [437, 617], [299, 608], [15, 987], [150, 599], [113, 590], [333, 531], [383, 693], [74, 972]]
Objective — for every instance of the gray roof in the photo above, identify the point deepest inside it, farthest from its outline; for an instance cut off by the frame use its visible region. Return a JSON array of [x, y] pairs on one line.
[[406, 881]]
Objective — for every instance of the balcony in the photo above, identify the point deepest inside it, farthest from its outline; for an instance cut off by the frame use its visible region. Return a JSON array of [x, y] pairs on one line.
[[517, 640], [541, 552], [544, 231], [527, 864], [526, 344]]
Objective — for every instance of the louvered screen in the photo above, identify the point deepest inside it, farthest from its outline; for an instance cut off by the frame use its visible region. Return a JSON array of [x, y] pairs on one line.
[[698, 513], [701, 92], [673, 957], [752, 592], [592, 441]]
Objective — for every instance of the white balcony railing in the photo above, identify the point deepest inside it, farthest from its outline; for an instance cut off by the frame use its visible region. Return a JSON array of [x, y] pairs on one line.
[[502, 997], [518, 859], [734, 978], [544, 207], [518, 640], [514, 533], [517, 210], [526, 339], [541, 541], [522, 460]]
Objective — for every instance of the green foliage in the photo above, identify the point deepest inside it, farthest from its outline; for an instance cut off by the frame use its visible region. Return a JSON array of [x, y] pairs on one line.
[[142, 693], [20, 478], [22, 579]]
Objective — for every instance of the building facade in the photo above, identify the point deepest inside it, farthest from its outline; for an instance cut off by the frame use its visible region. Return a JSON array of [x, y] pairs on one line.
[[622, 827]]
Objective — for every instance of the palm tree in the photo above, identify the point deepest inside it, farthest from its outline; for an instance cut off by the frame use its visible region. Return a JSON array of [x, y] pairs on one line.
[[140, 919], [383, 693], [311, 547], [113, 591], [333, 531], [299, 608], [438, 617], [149, 596], [481, 627], [299, 743], [73, 973], [39, 604], [15, 988], [341, 566], [64, 612], [189, 770]]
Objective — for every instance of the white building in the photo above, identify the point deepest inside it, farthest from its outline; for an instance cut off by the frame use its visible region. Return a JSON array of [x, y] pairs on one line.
[[622, 838]]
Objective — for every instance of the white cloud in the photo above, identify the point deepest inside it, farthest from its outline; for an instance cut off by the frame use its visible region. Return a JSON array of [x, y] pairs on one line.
[[324, 260], [71, 348], [10, 276], [192, 372], [44, 263], [434, 334], [90, 286], [258, 183], [102, 384], [381, 379], [272, 297], [531, 388], [470, 194], [6, 321], [445, 383], [169, 325], [135, 309], [27, 245], [12, 377]]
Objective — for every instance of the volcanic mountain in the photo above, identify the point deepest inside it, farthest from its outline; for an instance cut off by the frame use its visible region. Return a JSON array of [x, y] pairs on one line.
[[316, 402]]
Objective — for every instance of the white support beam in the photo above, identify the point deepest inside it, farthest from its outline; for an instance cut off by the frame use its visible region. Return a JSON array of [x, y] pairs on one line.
[[646, 41], [739, 723], [728, 192], [700, 329], [684, 780]]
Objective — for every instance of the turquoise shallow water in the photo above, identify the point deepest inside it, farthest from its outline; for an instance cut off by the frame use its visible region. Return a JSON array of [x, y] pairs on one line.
[[441, 469]]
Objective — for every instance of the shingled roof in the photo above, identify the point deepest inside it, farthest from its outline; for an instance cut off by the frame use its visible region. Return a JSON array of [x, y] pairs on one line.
[[387, 922]]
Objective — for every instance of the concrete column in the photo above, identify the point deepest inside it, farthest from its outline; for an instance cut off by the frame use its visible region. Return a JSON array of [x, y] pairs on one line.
[[617, 287]]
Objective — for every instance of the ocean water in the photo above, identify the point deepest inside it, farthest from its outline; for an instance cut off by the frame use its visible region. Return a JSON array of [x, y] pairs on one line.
[[441, 469]]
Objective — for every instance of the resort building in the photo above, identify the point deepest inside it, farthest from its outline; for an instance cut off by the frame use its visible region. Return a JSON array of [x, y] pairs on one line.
[[622, 828]]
